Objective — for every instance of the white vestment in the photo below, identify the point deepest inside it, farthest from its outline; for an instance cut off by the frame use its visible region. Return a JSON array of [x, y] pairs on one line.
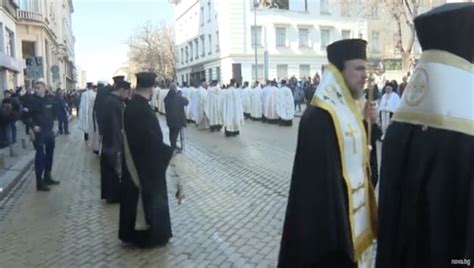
[[270, 105], [233, 110], [388, 104], [86, 118], [199, 100], [265, 92], [214, 106], [193, 103], [246, 99], [161, 100], [256, 103], [285, 104], [155, 98]]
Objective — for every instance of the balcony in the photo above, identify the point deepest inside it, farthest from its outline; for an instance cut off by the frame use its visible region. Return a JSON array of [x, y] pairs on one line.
[[29, 15]]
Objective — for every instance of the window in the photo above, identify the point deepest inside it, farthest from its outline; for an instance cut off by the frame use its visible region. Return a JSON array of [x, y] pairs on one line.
[[304, 37], [305, 70], [191, 51], [375, 11], [375, 41], [218, 74], [324, 6], [31, 5], [1, 38], [298, 5], [256, 37], [361, 36], [346, 34], [10, 43], [210, 44], [260, 72], [282, 71], [203, 47], [187, 54], [196, 43], [182, 78], [209, 11], [280, 33], [182, 55], [345, 8], [210, 75], [217, 42], [202, 16], [324, 38]]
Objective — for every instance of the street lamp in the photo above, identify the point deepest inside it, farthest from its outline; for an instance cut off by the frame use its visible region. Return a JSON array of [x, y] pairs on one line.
[[255, 5]]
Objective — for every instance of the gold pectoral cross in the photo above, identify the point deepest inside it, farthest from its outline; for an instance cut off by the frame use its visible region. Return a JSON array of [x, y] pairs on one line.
[[352, 132]]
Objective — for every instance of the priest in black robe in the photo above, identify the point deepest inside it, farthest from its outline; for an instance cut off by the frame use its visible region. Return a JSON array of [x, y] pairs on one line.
[[144, 209], [319, 229], [112, 144], [426, 194]]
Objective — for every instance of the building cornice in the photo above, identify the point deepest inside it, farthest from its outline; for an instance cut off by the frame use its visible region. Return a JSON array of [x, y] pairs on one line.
[[8, 14], [42, 26]]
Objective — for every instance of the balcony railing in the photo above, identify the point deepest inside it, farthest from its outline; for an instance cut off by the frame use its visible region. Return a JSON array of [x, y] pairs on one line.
[[29, 15]]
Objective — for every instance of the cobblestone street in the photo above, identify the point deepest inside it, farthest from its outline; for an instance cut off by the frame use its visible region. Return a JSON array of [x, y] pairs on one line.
[[232, 216]]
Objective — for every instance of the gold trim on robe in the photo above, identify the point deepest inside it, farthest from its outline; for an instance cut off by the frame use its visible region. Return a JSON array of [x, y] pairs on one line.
[[334, 97]]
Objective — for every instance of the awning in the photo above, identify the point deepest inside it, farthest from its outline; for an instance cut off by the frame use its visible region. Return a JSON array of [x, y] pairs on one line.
[[10, 63]]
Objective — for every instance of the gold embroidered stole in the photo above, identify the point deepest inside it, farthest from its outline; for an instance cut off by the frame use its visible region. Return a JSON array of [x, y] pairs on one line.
[[334, 97]]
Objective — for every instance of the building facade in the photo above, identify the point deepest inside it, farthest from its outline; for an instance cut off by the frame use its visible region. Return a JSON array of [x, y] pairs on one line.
[[11, 64], [45, 30], [217, 40]]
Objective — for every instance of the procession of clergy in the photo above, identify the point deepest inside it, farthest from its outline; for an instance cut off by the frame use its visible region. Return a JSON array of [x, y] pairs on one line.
[[227, 107], [424, 216]]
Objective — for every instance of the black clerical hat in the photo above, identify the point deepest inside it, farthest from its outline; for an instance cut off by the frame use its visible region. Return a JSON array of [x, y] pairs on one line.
[[122, 84], [347, 49], [118, 78], [449, 27], [89, 84], [145, 79]]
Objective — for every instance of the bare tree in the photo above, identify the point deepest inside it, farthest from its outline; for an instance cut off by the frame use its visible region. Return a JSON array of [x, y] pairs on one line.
[[404, 13], [152, 49], [400, 12]]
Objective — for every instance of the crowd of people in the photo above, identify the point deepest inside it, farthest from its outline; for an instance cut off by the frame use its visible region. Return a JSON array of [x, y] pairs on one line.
[[15, 109], [425, 205]]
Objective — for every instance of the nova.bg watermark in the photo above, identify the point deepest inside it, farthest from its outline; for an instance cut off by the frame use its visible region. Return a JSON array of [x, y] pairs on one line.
[[466, 262]]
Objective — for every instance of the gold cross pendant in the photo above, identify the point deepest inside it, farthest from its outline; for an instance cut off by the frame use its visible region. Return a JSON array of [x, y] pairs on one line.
[[352, 132]]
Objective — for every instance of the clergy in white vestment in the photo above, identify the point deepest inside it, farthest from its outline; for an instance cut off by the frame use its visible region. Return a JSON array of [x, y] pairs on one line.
[[285, 105], [233, 110], [86, 117], [188, 94], [214, 106], [155, 98], [267, 88], [256, 102], [194, 100], [388, 106], [246, 90], [161, 100], [270, 105], [199, 100]]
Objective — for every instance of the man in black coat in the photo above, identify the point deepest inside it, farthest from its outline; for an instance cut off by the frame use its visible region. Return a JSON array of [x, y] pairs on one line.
[[144, 209], [61, 112], [175, 117], [112, 142]]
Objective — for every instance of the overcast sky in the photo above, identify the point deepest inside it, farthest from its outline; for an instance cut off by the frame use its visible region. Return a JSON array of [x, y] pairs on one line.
[[102, 28]]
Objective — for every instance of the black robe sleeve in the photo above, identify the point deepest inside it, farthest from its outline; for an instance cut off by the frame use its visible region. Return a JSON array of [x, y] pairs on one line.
[[316, 231]]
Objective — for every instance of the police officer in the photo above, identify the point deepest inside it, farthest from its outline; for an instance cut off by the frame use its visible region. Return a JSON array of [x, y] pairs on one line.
[[41, 121]]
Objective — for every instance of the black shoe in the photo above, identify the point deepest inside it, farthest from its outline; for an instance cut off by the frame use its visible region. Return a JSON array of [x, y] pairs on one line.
[[51, 182], [67, 133], [42, 188]]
